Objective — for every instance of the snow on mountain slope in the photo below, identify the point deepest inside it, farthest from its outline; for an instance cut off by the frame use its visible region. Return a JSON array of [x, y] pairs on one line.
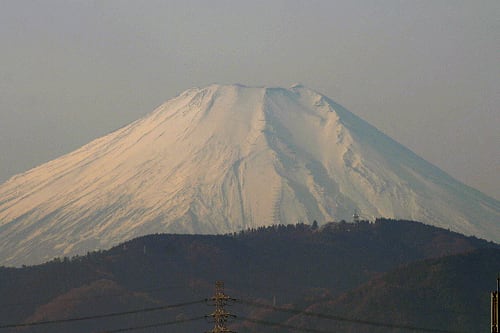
[[225, 158]]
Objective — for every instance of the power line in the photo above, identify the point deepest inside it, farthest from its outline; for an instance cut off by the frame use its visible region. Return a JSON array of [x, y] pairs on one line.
[[179, 321], [346, 319], [225, 315], [87, 297], [107, 315], [274, 324]]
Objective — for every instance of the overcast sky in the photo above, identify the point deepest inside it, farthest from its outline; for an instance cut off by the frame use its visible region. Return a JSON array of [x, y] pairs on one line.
[[427, 73]]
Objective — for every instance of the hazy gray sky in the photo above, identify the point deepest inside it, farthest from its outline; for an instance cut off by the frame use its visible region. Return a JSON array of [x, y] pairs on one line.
[[427, 73]]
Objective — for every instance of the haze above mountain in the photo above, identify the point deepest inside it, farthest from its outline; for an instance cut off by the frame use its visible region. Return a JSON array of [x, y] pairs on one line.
[[225, 158]]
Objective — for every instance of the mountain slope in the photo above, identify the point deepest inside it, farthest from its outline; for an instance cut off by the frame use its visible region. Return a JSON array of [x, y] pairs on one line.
[[450, 294], [225, 158], [292, 264]]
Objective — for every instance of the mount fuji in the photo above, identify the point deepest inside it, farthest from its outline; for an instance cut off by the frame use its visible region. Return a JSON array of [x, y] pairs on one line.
[[225, 158]]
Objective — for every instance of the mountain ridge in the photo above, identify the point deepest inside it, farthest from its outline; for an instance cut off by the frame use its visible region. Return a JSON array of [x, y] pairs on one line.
[[292, 265], [226, 158]]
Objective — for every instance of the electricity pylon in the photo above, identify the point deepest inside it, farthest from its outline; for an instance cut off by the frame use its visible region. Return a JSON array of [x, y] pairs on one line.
[[494, 308], [220, 316]]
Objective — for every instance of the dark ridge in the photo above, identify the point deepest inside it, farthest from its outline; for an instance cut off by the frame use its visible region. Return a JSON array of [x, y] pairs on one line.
[[291, 264]]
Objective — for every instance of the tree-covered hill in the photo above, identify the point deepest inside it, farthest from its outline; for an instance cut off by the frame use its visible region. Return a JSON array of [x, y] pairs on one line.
[[294, 265]]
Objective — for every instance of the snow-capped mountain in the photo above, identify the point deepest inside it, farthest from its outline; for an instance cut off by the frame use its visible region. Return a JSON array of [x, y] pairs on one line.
[[226, 158]]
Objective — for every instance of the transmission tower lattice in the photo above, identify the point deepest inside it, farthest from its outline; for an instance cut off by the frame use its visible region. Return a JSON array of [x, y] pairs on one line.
[[220, 316]]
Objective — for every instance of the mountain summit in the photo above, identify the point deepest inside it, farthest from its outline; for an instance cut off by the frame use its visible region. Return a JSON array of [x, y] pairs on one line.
[[225, 158]]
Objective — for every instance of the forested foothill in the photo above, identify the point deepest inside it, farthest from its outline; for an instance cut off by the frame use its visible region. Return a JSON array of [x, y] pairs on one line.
[[389, 271]]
